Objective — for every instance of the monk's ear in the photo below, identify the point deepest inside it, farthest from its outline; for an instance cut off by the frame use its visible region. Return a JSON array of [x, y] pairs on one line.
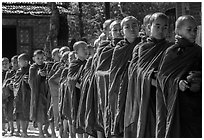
[[121, 31], [149, 27]]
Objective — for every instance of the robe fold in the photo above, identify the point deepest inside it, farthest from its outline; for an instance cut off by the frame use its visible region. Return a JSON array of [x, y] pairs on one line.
[[8, 93], [102, 78], [92, 113], [140, 103], [73, 93], [179, 114], [118, 83], [62, 90], [40, 97], [22, 94], [85, 83]]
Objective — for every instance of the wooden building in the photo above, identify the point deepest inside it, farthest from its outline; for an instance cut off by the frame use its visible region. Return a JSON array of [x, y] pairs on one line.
[[25, 27]]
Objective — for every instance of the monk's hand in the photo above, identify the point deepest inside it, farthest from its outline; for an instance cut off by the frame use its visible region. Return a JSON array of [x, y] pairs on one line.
[[183, 85], [42, 73]]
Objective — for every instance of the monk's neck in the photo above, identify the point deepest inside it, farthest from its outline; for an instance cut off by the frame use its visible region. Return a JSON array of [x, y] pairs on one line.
[[130, 40]]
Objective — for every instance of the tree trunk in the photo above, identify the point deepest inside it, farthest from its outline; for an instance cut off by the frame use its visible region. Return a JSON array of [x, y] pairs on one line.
[[80, 20], [107, 10]]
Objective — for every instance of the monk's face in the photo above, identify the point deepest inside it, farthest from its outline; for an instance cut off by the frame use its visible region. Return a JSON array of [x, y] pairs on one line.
[[39, 59], [116, 31], [130, 29], [5, 65], [159, 28], [188, 30], [22, 63], [82, 51], [14, 63]]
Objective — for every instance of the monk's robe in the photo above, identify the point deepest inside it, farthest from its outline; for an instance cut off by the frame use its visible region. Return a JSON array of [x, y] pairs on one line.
[[85, 83], [22, 94], [102, 77], [179, 114], [62, 89], [118, 82], [141, 102], [39, 94], [92, 113], [4, 99], [53, 69], [54, 86], [8, 92], [74, 78]]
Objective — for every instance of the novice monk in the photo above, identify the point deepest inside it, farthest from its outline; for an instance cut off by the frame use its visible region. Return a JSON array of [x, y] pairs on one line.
[[118, 77], [74, 81], [8, 90], [22, 93], [140, 104], [179, 96], [54, 87], [39, 92], [5, 68], [103, 65]]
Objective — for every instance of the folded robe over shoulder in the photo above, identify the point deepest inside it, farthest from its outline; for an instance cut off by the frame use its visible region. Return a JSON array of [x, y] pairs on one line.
[[140, 104], [22, 93], [179, 114], [118, 82], [39, 94]]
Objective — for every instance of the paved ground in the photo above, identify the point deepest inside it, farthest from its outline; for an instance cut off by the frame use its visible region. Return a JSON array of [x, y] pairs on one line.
[[32, 132]]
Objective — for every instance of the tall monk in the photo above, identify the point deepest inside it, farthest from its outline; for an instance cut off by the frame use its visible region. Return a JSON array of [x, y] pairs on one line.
[[74, 80], [179, 96], [141, 100], [103, 65], [118, 75]]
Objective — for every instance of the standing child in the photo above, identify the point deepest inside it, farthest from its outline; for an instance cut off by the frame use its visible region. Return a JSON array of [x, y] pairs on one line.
[[118, 77], [180, 85], [103, 65], [22, 93], [141, 101], [39, 91], [5, 68], [8, 90], [74, 80]]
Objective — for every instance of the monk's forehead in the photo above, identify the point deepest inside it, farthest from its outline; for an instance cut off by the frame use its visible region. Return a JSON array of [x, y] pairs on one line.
[[130, 21]]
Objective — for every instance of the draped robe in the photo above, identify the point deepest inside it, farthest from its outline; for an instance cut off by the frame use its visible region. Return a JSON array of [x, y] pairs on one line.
[[118, 83], [39, 94], [179, 114], [22, 94], [140, 103]]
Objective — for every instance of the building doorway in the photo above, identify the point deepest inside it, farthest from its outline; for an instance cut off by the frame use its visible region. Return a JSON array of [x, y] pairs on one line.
[[9, 41]]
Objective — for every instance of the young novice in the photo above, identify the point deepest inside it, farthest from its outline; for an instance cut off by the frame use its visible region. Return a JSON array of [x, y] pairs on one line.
[[54, 85], [74, 80], [22, 93], [141, 101], [8, 90], [118, 76], [145, 29], [39, 92], [5, 68], [180, 85], [105, 34], [103, 64], [55, 55]]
